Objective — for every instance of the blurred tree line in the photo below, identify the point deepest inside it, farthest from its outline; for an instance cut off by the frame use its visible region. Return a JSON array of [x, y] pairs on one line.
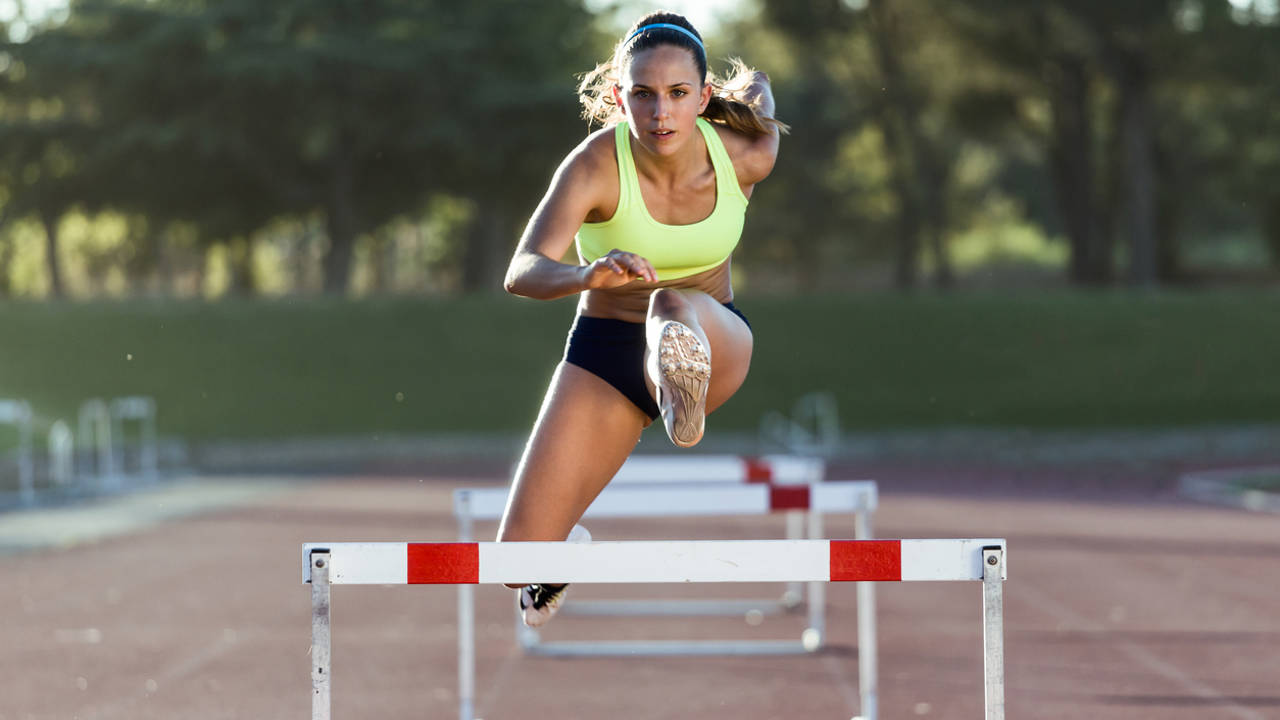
[[207, 146]]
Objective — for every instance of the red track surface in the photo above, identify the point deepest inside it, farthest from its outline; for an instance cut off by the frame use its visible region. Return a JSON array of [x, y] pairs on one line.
[[1121, 603]]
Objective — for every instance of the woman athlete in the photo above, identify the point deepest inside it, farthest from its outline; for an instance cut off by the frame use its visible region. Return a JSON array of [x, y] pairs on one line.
[[655, 201]]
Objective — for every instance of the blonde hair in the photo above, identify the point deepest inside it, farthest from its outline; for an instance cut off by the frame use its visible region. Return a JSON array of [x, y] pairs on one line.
[[729, 104]]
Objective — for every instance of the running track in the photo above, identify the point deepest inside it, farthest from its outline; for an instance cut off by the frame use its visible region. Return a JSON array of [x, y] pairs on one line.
[[1122, 602]]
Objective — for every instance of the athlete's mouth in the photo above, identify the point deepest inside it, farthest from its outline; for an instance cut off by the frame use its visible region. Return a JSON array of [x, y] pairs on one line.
[[664, 132]]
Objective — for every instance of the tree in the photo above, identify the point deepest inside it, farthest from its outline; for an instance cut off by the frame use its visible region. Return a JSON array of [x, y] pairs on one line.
[[802, 219], [227, 114], [859, 66], [1126, 82]]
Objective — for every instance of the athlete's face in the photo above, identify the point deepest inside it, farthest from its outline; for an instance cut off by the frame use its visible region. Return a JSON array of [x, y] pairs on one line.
[[662, 95]]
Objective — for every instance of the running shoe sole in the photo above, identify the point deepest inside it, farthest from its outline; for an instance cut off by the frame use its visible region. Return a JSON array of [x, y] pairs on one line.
[[684, 374]]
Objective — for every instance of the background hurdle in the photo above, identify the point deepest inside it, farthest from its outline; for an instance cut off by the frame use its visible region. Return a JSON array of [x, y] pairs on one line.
[[402, 563], [703, 500], [776, 468], [141, 409]]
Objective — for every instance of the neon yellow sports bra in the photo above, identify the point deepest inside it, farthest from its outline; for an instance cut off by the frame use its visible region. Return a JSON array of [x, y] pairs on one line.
[[676, 251]]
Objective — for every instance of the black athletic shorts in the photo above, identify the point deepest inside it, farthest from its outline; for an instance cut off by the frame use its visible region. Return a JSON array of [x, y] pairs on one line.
[[613, 350]]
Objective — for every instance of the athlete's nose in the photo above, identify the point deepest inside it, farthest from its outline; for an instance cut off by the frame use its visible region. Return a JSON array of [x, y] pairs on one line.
[[661, 108]]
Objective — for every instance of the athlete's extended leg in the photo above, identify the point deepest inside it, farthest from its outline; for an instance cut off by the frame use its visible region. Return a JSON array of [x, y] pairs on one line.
[[584, 432], [697, 355]]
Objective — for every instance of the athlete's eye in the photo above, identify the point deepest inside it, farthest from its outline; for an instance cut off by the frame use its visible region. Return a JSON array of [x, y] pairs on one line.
[[679, 93], [641, 93]]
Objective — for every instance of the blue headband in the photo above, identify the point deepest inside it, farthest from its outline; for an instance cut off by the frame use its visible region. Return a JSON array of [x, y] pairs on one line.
[[671, 27]]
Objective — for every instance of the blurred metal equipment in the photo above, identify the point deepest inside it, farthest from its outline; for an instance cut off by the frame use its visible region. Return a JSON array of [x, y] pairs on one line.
[[95, 435], [143, 410], [812, 429], [61, 455], [18, 413]]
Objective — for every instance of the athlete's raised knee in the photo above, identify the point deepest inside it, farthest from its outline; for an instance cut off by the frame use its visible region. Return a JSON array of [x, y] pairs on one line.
[[666, 302]]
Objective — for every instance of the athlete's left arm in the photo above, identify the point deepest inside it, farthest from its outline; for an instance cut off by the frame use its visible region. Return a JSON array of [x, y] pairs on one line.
[[753, 158]]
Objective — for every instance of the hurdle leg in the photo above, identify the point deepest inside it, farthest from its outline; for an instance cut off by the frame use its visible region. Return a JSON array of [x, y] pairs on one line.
[[993, 630], [812, 641], [320, 638], [466, 619], [466, 652], [26, 466], [868, 675], [794, 594]]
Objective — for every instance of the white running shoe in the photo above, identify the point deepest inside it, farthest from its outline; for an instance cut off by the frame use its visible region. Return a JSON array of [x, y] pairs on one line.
[[578, 534], [684, 374], [539, 602]]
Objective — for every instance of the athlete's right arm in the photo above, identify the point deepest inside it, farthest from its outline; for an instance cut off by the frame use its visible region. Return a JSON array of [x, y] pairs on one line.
[[535, 270]]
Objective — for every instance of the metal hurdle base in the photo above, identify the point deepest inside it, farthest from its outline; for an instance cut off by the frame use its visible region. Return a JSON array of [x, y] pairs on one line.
[[682, 608], [812, 638], [668, 648], [792, 600], [531, 642]]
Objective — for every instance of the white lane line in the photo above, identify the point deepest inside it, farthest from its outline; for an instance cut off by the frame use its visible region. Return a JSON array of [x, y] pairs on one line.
[[125, 707], [1143, 656]]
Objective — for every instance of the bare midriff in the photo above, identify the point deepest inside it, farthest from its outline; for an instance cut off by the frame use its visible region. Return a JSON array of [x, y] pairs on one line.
[[630, 302]]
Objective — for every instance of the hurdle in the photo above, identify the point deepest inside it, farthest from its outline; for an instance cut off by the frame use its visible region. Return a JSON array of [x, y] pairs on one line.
[[813, 427], [62, 450], [96, 448], [466, 564], [777, 468], [143, 410], [669, 500]]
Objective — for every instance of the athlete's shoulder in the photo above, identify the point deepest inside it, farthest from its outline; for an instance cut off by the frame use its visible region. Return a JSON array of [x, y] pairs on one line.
[[595, 155], [588, 176]]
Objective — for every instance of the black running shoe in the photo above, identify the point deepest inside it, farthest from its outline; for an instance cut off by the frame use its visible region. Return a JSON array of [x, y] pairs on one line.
[[539, 602]]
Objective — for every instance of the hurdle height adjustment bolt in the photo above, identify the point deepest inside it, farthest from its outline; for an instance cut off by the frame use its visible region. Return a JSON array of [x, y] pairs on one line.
[[990, 561], [320, 563]]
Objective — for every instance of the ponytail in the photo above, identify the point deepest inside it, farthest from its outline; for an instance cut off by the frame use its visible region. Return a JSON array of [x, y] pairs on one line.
[[731, 107]]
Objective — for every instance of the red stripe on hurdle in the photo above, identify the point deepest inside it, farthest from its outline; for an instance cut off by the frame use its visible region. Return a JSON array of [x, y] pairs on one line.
[[789, 497], [855, 560], [444, 563], [758, 471]]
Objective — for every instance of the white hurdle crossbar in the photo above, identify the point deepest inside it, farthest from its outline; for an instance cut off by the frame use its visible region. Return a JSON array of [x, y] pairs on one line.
[[858, 497], [401, 563]]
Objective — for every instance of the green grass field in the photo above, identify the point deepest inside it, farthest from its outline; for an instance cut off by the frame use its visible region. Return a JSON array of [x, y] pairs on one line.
[[264, 369]]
